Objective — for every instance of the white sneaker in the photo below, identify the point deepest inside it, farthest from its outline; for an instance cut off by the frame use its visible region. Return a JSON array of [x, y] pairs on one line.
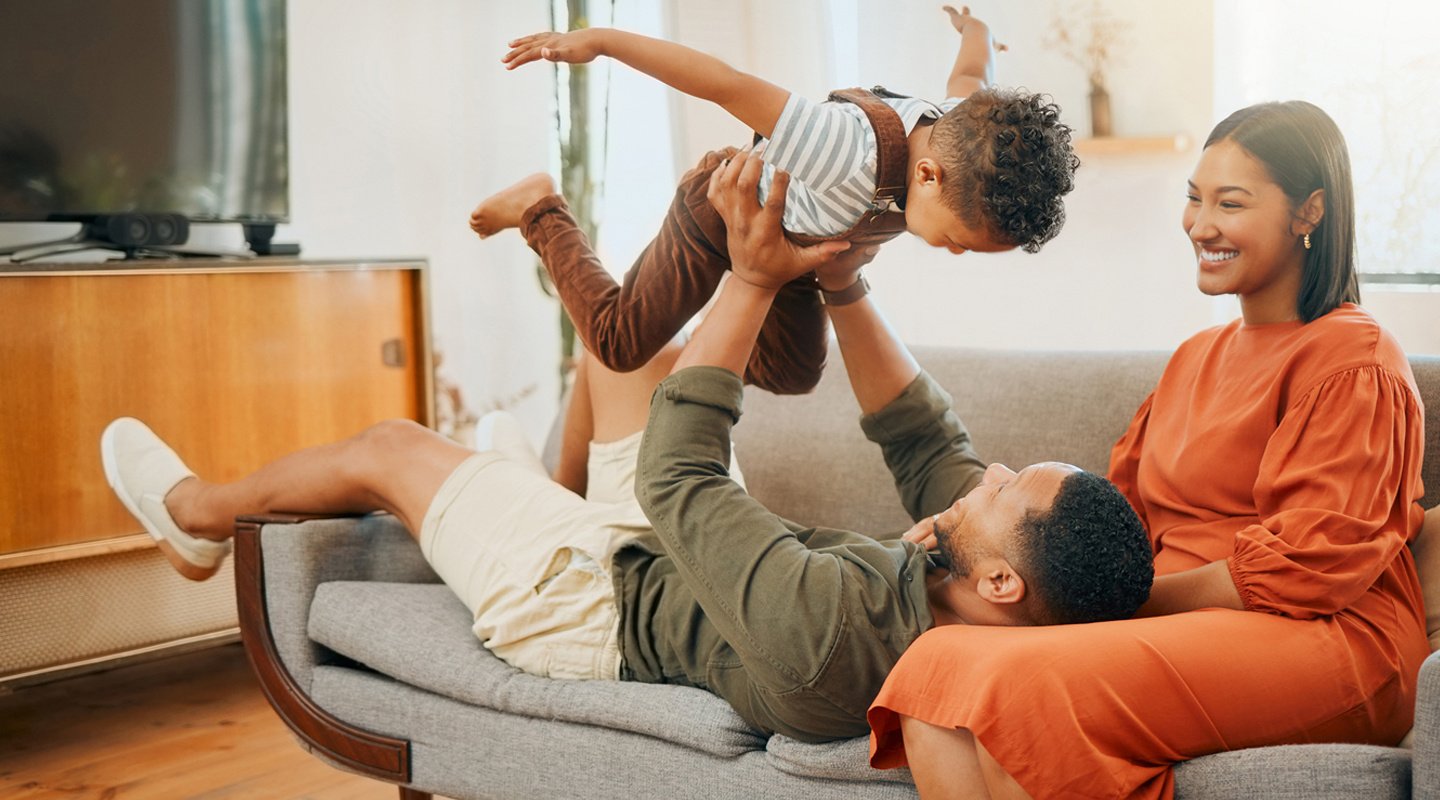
[[142, 470], [500, 431]]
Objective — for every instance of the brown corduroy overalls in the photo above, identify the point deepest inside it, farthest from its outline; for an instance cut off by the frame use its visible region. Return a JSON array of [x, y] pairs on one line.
[[625, 325]]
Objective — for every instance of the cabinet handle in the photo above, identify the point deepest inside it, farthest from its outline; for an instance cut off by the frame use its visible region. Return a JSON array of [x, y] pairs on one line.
[[392, 352]]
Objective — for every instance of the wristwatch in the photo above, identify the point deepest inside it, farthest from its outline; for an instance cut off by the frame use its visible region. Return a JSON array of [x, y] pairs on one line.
[[848, 295]]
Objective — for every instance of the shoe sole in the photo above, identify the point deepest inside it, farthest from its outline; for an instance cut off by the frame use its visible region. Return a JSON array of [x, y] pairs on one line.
[[182, 565]]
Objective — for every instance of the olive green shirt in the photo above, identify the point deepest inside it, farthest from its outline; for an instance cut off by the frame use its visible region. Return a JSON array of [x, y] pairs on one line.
[[795, 626]]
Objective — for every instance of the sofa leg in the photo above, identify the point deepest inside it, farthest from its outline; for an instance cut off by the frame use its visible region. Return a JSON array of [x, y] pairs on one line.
[[406, 793]]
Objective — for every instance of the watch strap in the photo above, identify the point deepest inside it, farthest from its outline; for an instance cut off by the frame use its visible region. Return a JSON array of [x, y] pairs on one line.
[[848, 295]]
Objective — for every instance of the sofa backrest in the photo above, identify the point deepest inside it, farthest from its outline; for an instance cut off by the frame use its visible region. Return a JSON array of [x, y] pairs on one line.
[[1427, 377], [806, 459]]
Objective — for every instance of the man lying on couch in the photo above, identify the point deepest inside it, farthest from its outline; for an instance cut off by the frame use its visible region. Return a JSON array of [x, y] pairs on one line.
[[796, 627]]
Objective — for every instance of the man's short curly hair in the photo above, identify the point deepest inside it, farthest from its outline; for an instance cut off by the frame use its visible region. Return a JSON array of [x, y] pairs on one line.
[[1088, 558], [1007, 163]]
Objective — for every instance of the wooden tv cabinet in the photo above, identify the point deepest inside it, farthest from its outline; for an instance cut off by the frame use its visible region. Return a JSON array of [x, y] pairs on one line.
[[234, 362]]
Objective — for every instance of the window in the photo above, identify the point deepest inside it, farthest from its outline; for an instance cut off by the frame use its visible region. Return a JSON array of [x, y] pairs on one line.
[[1376, 70], [630, 137]]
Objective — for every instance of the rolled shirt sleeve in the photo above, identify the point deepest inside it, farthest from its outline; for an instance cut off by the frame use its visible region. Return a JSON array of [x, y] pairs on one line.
[[926, 447]]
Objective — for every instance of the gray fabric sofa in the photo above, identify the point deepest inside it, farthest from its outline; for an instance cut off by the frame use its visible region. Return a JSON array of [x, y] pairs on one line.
[[371, 661]]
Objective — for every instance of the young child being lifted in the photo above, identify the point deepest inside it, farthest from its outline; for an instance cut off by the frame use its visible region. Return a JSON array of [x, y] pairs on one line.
[[985, 170]]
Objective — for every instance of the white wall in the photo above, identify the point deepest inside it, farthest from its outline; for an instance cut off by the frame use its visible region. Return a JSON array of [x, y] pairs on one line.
[[402, 120], [1121, 274]]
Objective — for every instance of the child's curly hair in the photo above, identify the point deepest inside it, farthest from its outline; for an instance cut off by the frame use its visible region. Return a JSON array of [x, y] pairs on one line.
[[1018, 152]]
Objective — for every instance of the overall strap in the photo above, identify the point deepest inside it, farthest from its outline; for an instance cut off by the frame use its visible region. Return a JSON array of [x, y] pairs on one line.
[[892, 149]]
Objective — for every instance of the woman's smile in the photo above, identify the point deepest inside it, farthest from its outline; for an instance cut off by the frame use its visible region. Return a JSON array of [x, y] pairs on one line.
[[1214, 258]]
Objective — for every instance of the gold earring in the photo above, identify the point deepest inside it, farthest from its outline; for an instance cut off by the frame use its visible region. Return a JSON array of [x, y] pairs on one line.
[[1307, 241]]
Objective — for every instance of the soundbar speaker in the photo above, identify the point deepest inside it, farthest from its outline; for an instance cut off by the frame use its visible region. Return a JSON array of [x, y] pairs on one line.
[[140, 230]]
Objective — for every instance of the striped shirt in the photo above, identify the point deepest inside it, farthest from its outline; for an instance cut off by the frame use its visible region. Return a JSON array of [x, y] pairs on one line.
[[829, 150]]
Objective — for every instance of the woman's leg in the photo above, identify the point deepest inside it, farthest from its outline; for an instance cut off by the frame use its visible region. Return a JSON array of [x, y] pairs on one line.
[[948, 764], [1105, 709]]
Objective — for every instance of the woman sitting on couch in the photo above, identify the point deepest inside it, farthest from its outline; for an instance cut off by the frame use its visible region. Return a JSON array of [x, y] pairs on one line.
[[1277, 469]]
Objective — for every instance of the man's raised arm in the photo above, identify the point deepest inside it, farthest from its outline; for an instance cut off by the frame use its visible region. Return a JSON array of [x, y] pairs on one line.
[[880, 366], [926, 447], [762, 261]]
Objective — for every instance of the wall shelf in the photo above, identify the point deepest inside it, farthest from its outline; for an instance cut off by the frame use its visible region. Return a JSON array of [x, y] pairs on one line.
[[1132, 145]]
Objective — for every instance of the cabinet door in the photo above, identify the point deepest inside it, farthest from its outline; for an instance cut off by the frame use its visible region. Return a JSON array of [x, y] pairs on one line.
[[234, 368]]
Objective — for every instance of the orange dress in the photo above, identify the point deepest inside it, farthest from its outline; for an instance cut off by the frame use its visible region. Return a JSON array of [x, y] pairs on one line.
[[1291, 449]]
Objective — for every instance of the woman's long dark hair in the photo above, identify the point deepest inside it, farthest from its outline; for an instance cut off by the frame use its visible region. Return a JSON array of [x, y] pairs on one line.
[[1303, 150]]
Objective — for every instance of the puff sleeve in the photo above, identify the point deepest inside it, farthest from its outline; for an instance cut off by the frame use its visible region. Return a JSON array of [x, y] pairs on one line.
[[1336, 495]]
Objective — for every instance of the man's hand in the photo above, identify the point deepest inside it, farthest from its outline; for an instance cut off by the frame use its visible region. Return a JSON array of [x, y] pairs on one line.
[[575, 47], [759, 252], [844, 269]]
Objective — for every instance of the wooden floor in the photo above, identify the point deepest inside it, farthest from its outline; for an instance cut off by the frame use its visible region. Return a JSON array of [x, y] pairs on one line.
[[189, 726]]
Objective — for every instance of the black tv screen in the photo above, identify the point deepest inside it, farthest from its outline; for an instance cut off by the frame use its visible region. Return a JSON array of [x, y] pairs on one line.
[[110, 106]]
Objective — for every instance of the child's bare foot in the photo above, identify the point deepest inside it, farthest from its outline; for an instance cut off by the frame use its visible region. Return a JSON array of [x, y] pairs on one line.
[[504, 208]]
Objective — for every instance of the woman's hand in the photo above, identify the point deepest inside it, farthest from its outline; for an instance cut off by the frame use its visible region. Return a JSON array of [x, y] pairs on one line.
[[575, 47], [923, 534], [759, 252]]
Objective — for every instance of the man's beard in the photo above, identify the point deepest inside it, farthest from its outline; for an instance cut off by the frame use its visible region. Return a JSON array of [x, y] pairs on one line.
[[955, 550]]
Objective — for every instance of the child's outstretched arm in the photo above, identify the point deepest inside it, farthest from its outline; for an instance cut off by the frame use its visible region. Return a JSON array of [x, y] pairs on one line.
[[975, 63], [753, 101]]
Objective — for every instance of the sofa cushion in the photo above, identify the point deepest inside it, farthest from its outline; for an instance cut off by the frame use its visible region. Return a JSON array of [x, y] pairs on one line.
[[845, 760], [1298, 772], [467, 751], [1427, 380], [420, 634], [1426, 549]]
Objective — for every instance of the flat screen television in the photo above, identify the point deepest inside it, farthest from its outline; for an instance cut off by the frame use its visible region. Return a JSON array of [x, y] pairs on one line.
[[145, 106]]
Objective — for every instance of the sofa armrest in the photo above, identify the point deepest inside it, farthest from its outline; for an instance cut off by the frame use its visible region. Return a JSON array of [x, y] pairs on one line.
[[300, 554], [1426, 757], [280, 561]]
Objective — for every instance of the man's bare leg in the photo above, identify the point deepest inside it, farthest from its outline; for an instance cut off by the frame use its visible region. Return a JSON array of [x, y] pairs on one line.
[[606, 406], [620, 401], [395, 466], [571, 468]]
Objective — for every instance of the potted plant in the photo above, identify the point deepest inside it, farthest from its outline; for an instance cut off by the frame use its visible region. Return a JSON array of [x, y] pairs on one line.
[[1089, 35]]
